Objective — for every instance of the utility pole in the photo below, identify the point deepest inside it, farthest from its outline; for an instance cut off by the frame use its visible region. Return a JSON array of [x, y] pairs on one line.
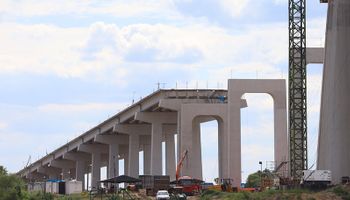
[[297, 88]]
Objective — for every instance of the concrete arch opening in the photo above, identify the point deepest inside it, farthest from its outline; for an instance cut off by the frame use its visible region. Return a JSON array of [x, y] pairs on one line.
[[236, 89], [191, 136], [257, 133], [208, 145]]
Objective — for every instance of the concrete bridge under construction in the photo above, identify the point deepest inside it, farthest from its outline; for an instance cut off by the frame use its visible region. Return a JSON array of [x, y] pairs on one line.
[[158, 118]]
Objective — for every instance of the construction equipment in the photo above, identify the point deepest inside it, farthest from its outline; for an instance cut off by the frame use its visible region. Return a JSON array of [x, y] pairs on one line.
[[297, 88], [190, 186], [179, 165], [316, 178], [223, 184]]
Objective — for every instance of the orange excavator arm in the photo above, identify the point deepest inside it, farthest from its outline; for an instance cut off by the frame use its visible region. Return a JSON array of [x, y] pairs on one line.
[[179, 165]]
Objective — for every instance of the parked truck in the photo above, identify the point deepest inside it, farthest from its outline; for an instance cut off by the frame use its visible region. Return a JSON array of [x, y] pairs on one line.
[[316, 178]]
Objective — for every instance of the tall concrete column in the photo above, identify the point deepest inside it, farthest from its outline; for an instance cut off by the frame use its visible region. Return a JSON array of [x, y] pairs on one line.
[[223, 149], [95, 169], [50, 172], [197, 151], [113, 163], [234, 140], [64, 165], [114, 141], [80, 159], [334, 137], [157, 119], [147, 159], [96, 151], [80, 170], [126, 163], [138, 134], [134, 146], [170, 155], [156, 149], [66, 174]]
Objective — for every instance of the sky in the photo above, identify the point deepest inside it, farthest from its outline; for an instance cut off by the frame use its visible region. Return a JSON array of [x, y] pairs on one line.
[[66, 66]]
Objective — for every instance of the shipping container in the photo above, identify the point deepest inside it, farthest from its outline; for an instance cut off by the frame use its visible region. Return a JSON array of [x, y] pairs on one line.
[[154, 183]]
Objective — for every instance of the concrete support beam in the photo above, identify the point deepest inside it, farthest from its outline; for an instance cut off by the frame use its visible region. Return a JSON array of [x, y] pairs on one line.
[[134, 131], [35, 176], [191, 117], [50, 172], [113, 141], [141, 129], [334, 137], [147, 159], [134, 146], [81, 159], [170, 156], [314, 55], [65, 166], [157, 119], [176, 104], [96, 151], [113, 161]]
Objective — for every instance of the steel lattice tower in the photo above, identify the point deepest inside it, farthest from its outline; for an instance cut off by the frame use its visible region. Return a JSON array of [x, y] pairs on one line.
[[297, 87]]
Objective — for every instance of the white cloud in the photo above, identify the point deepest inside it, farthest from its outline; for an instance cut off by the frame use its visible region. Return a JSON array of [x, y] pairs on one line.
[[51, 50], [3, 125], [316, 29], [107, 52], [234, 7], [130, 8], [34, 145]]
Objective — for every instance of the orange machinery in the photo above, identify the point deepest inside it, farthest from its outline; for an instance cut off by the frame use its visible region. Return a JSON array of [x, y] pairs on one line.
[[190, 186]]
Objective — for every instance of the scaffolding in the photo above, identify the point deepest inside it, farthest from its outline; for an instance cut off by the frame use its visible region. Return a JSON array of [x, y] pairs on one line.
[[297, 88]]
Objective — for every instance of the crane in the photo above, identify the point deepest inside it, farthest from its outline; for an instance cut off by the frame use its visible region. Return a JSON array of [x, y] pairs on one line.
[[179, 165], [297, 88]]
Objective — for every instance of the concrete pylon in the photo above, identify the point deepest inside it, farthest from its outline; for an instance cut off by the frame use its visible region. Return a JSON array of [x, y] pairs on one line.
[[134, 132], [276, 88], [191, 117], [80, 159], [157, 119], [96, 151], [65, 165], [113, 142], [334, 135], [50, 172]]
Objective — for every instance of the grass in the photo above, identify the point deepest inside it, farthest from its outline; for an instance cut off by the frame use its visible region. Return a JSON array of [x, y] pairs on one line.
[[341, 191], [269, 194]]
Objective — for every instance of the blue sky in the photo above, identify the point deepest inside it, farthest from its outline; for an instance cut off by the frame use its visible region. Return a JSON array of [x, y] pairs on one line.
[[67, 65]]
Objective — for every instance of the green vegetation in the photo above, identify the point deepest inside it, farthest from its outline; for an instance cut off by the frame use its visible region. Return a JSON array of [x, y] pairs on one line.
[[341, 191], [269, 194], [12, 188], [254, 180]]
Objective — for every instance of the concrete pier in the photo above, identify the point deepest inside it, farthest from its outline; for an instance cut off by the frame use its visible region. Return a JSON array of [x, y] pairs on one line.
[[334, 131]]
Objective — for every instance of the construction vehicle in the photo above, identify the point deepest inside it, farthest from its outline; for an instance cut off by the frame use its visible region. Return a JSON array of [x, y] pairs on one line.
[[316, 178], [190, 186], [223, 184]]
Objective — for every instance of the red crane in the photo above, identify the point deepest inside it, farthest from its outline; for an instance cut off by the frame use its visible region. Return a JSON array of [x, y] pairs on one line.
[[179, 165]]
